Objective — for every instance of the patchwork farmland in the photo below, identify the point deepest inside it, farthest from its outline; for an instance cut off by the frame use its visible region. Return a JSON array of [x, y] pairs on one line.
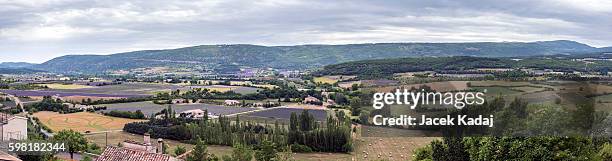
[[40, 93], [149, 108], [81, 121], [224, 88]]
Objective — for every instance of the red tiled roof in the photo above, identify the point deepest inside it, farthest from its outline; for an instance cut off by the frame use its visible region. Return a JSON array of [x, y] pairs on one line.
[[112, 153], [6, 157]]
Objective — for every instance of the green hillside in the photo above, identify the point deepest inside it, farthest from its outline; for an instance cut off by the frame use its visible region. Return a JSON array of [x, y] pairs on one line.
[[301, 56]]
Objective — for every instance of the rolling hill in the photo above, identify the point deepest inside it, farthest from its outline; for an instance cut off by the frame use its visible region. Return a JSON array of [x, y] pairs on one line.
[[386, 67], [16, 65], [300, 56], [18, 71]]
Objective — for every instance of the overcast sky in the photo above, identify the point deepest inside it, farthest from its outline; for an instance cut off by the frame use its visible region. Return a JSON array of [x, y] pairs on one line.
[[39, 30]]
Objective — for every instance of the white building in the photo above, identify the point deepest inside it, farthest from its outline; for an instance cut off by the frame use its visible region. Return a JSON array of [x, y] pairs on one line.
[[13, 127], [231, 102], [196, 114]]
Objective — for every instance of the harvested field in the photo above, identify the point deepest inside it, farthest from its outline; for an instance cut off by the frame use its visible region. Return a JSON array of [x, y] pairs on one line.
[[128, 89], [81, 121], [66, 86], [324, 80], [388, 148]]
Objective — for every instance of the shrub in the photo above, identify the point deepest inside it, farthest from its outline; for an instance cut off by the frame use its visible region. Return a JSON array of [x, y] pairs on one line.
[[423, 153], [299, 148], [606, 152]]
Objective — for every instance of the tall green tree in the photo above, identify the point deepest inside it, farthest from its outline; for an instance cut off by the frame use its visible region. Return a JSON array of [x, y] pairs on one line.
[[267, 151], [199, 153], [74, 140], [240, 153]]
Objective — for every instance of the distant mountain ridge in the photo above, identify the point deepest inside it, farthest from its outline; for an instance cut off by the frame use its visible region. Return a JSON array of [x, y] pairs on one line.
[[301, 56], [16, 65], [18, 71]]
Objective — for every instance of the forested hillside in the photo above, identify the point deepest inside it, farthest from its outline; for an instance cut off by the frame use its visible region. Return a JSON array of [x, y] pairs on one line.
[[386, 67], [301, 56]]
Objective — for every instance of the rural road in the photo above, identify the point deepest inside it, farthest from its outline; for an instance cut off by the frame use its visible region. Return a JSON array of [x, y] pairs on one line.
[[18, 102]]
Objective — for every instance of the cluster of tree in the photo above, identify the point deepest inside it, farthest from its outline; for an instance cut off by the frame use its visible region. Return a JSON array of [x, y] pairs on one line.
[[516, 120], [515, 148], [550, 133], [223, 131], [103, 83], [126, 114], [10, 110], [174, 132], [334, 137], [49, 104], [167, 127], [284, 93], [339, 98], [267, 152]]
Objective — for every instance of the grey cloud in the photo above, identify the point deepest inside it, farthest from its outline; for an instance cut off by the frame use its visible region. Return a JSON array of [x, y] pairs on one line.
[[38, 31]]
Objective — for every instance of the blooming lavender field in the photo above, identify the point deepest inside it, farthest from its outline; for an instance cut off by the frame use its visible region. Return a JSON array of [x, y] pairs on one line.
[[285, 113], [38, 93]]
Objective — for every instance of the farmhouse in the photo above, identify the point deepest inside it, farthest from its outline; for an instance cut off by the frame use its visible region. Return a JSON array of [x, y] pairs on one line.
[[112, 153], [136, 151], [329, 103], [194, 114], [13, 127], [231, 102], [144, 146], [79, 106], [311, 99]]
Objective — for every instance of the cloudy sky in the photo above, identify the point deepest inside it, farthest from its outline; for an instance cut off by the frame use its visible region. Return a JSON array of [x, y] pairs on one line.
[[39, 30]]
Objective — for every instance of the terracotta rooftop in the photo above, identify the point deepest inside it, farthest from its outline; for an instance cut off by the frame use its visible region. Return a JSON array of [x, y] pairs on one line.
[[112, 153], [6, 157]]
